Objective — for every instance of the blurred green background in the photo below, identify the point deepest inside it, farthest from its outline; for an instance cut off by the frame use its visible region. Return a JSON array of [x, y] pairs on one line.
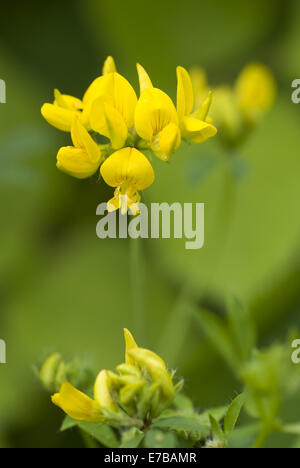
[[63, 289]]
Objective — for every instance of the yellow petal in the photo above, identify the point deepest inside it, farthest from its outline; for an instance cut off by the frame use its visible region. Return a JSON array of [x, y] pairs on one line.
[[116, 91], [76, 162], [102, 391], [256, 89], [130, 344], [197, 130], [156, 368], [166, 142], [107, 121], [109, 66], [185, 93], [82, 139], [154, 111], [144, 79], [129, 392], [58, 117], [77, 405], [66, 101], [128, 165]]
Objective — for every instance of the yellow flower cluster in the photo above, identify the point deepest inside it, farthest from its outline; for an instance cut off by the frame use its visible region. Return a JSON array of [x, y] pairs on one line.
[[141, 389], [238, 109], [110, 108]]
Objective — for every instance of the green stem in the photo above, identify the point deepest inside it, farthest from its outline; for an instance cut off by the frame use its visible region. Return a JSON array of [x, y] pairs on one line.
[[137, 285], [262, 437]]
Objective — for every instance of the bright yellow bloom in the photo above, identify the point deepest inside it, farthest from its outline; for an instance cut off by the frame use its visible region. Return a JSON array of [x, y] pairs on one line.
[[110, 103], [255, 91], [77, 405], [61, 113], [82, 408], [84, 158], [152, 362], [143, 370], [111, 109], [194, 125], [156, 120], [129, 171]]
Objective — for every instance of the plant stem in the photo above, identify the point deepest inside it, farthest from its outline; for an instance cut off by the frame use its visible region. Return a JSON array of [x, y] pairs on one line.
[[137, 285], [262, 437]]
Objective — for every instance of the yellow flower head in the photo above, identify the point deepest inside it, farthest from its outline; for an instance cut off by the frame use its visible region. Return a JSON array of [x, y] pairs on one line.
[[141, 378], [110, 125], [84, 158], [61, 113], [194, 124], [255, 91], [156, 120], [129, 171]]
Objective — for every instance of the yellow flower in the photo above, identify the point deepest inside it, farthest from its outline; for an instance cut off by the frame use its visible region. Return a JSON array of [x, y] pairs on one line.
[[110, 104], [156, 120], [154, 364], [194, 125], [255, 91], [129, 171], [82, 408], [84, 158], [61, 113], [142, 372]]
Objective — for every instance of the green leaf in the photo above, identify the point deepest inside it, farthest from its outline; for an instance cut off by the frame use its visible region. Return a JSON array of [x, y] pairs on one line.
[[132, 438], [159, 439], [68, 423], [242, 328], [217, 432], [232, 415], [100, 432], [217, 332], [182, 423], [217, 413]]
